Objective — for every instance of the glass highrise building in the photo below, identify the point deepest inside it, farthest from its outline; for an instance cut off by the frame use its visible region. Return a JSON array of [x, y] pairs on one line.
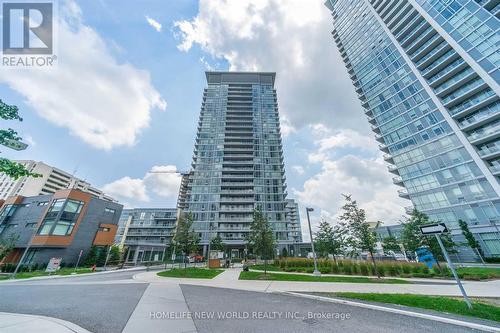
[[427, 74], [238, 162]]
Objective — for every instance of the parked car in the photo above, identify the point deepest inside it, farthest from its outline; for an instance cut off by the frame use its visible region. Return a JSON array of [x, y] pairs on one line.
[[196, 258]]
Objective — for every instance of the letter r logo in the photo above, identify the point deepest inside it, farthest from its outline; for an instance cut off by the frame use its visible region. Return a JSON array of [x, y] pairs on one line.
[[27, 27]]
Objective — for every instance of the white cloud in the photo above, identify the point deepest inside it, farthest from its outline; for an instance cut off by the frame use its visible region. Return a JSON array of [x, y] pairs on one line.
[[29, 140], [126, 187], [298, 169], [155, 24], [291, 37], [162, 180], [101, 101], [362, 173]]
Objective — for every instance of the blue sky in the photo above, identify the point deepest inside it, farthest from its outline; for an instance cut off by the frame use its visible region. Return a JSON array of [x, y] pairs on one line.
[[126, 95]]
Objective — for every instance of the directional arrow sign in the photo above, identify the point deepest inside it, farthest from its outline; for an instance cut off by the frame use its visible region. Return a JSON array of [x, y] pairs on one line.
[[432, 229]]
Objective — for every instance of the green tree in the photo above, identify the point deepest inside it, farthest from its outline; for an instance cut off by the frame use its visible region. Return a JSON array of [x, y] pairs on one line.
[[261, 237], [7, 245], [362, 236], [102, 253], [329, 240], [8, 167], [91, 257], [185, 239], [114, 255], [412, 238], [217, 244], [471, 240], [390, 243]]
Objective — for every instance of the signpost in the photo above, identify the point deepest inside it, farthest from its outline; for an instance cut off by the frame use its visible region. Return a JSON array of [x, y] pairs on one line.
[[436, 229], [78, 261]]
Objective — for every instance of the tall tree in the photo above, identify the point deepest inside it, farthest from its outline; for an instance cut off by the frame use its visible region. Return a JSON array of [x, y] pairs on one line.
[[471, 240], [185, 239], [390, 243], [8, 167], [261, 237], [217, 244], [412, 238], [328, 240], [362, 236]]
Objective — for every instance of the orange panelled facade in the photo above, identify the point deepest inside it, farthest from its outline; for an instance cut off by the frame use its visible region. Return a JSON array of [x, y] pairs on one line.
[[105, 237], [50, 240]]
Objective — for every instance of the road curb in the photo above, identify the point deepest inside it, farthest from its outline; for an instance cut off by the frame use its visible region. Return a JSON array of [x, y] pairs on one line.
[[51, 277], [397, 311], [56, 321]]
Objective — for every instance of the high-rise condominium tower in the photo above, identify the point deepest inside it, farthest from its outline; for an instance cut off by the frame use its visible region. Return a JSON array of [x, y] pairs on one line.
[[427, 74], [238, 161]]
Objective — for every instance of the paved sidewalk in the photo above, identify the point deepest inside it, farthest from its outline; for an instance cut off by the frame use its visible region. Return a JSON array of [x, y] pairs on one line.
[[158, 301], [22, 323], [229, 279]]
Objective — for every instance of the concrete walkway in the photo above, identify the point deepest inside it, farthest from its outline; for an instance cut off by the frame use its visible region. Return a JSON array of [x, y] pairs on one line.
[[229, 279], [22, 323]]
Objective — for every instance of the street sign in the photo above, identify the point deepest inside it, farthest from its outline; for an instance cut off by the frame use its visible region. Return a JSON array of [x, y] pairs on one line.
[[433, 229], [53, 265]]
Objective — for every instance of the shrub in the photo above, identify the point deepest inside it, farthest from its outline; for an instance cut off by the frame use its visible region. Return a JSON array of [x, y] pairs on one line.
[[381, 269], [406, 268], [363, 268], [392, 270], [348, 267]]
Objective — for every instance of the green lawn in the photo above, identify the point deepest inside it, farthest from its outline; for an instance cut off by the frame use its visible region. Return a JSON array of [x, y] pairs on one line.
[[62, 271], [191, 272], [270, 267], [310, 278], [436, 303], [479, 273]]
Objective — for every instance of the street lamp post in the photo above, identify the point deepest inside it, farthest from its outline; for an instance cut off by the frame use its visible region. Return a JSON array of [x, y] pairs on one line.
[[316, 272]]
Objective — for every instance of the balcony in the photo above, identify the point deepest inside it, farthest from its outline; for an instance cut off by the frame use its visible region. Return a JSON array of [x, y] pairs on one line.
[[393, 169], [479, 120], [495, 169], [236, 184], [388, 158], [398, 181], [379, 138], [490, 152], [403, 194], [484, 135], [384, 148]]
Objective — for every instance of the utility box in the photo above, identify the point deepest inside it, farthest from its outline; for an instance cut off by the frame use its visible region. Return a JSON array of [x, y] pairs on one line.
[[214, 258]]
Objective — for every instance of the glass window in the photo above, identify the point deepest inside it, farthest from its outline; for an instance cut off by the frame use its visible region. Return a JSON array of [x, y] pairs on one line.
[[73, 206], [46, 227], [61, 228]]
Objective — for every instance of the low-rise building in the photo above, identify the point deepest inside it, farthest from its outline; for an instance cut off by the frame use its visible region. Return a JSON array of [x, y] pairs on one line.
[[146, 233], [58, 225], [52, 179]]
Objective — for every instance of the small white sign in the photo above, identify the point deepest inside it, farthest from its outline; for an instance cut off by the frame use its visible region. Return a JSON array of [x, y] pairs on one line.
[[53, 265]]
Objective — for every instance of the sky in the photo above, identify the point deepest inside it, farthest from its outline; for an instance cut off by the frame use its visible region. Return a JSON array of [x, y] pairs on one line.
[[125, 97]]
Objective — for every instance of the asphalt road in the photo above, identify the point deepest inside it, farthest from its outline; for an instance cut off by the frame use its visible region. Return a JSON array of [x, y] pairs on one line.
[[99, 308], [297, 314]]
